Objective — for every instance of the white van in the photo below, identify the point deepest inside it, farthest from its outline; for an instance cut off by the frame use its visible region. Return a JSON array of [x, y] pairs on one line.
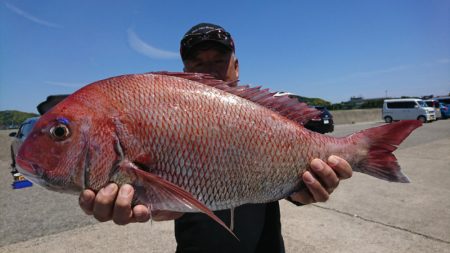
[[407, 108]]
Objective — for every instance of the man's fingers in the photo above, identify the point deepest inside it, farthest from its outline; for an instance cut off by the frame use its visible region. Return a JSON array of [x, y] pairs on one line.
[[322, 179], [104, 202], [303, 197], [318, 192], [86, 201], [325, 175], [314, 192], [122, 213], [340, 166], [141, 213]]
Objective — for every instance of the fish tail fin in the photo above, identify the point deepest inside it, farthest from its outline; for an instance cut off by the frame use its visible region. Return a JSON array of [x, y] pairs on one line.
[[380, 142]]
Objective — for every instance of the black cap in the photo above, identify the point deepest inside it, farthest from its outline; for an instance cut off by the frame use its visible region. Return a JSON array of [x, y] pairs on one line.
[[50, 102], [204, 32]]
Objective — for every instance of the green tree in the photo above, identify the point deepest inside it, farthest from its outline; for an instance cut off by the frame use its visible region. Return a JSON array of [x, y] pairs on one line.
[[14, 118]]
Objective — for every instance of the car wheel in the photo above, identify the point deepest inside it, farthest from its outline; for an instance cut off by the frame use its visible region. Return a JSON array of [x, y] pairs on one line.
[[388, 119], [422, 119]]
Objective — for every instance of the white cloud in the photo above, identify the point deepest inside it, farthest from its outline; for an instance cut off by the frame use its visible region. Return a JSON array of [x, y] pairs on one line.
[[143, 48], [31, 17]]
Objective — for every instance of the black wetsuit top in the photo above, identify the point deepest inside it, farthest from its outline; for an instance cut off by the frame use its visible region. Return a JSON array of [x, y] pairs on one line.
[[257, 226]]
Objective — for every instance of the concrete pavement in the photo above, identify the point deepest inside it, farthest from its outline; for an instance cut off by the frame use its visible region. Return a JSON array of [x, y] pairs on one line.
[[363, 215]]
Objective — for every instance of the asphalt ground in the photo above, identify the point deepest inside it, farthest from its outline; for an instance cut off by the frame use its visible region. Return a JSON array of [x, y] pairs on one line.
[[363, 215]]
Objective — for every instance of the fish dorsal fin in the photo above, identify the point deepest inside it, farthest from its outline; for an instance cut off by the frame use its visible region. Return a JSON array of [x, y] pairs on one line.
[[291, 108]]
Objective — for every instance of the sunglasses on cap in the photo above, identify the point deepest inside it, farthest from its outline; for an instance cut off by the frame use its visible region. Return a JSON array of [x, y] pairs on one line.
[[214, 35]]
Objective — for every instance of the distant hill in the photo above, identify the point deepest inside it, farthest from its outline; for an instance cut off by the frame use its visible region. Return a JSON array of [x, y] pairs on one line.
[[12, 119]]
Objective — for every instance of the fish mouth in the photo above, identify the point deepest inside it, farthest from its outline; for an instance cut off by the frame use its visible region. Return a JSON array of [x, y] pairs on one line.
[[31, 171], [37, 175]]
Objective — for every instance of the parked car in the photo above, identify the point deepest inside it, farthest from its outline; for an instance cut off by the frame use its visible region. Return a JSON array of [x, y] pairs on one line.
[[322, 123], [407, 108], [445, 110], [436, 105], [445, 106], [445, 100], [19, 137]]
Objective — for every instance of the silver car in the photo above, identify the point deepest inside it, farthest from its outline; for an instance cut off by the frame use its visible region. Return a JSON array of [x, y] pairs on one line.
[[19, 137]]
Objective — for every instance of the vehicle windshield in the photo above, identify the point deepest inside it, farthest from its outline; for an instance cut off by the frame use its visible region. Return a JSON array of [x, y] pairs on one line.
[[422, 104], [26, 128]]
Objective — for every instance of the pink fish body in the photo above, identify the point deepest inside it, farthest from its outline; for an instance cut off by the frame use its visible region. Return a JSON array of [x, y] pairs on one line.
[[188, 143]]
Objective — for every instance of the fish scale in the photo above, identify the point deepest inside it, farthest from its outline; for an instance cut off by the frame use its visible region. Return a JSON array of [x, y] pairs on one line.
[[190, 143]]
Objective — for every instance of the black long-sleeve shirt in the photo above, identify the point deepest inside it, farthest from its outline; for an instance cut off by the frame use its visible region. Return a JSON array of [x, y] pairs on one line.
[[257, 226]]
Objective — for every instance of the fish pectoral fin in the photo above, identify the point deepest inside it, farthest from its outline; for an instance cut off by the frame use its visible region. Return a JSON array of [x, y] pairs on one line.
[[160, 194]]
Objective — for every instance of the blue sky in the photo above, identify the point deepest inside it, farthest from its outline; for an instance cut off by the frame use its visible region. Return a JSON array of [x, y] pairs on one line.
[[327, 49]]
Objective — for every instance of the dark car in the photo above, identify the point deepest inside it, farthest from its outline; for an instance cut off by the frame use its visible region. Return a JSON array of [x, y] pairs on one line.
[[19, 137], [322, 123]]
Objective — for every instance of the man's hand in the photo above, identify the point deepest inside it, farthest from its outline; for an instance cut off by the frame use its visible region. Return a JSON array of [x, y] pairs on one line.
[[112, 203], [323, 180]]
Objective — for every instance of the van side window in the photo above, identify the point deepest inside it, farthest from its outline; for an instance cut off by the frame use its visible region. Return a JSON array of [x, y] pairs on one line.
[[393, 105], [403, 104]]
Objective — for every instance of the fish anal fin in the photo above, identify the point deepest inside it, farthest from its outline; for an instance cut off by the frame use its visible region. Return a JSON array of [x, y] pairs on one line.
[[160, 194]]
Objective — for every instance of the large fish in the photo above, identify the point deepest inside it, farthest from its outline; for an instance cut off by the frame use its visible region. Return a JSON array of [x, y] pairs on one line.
[[189, 143]]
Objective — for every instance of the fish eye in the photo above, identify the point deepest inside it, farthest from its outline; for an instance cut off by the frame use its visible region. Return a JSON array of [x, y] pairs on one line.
[[60, 132]]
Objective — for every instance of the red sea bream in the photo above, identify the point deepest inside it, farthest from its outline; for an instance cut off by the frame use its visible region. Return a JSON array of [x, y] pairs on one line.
[[189, 143]]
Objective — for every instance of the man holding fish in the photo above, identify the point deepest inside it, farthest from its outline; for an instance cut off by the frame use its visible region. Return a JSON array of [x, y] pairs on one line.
[[208, 48]]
